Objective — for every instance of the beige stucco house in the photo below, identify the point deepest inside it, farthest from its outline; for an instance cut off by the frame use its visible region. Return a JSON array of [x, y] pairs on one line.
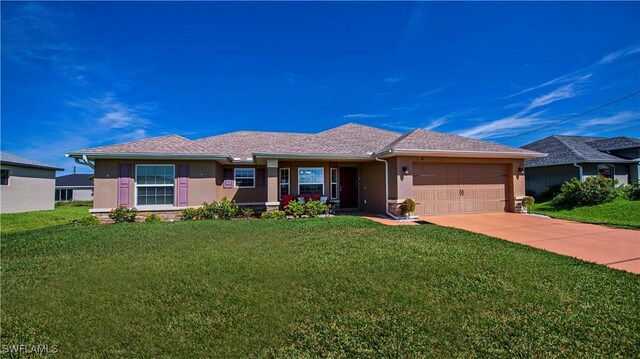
[[25, 185], [354, 166]]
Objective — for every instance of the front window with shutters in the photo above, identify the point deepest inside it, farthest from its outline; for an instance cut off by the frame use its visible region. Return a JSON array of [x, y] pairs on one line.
[[244, 177], [155, 184]]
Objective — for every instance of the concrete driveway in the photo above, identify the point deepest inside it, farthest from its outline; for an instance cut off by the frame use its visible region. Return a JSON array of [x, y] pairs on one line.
[[616, 248]]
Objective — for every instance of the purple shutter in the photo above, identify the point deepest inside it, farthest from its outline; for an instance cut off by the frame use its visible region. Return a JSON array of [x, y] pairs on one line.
[[183, 185], [124, 186], [228, 178], [260, 177]]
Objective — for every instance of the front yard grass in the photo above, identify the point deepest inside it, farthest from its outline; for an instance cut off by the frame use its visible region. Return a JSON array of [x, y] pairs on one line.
[[62, 215], [618, 213], [340, 287]]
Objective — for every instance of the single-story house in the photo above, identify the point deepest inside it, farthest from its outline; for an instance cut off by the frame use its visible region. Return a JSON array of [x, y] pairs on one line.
[[580, 157], [74, 187], [357, 166], [25, 185]]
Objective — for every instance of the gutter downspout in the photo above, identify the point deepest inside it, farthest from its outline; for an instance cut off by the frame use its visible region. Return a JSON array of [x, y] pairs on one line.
[[580, 167], [386, 188], [84, 161]]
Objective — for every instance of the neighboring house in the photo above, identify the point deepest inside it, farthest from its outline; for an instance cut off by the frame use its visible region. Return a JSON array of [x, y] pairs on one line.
[[359, 167], [580, 157], [74, 187], [25, 185]]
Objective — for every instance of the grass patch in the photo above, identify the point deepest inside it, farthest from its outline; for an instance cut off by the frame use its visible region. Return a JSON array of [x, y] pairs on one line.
[[618, 213], [339, 287], [19, 222]]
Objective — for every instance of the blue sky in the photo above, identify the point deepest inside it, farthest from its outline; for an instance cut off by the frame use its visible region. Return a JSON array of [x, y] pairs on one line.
[[77, 75]]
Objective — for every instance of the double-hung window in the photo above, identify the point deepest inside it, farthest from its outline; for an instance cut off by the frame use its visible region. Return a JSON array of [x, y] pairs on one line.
[[155, 184], [244, 177], [334, 183], [310, 180], [284, 182]]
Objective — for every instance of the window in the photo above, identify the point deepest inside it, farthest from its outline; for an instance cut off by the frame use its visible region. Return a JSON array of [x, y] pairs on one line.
[[284, 181], [244, 177], [605, 171], [310, 180], [334, 183], [154, 184], [4, 177], [64, 195]]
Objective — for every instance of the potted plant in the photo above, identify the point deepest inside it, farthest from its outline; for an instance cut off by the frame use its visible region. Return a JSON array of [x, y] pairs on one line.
[[526, 202], [407, 207]]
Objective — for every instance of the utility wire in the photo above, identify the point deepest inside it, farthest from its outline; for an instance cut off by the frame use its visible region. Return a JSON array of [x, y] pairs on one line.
[[574, 116]]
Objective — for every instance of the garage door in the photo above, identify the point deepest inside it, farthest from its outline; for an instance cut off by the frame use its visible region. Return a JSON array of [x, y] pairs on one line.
[[453, 188]]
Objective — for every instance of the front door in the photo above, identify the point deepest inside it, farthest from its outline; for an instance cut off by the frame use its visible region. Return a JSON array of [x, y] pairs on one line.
[[348, 187]]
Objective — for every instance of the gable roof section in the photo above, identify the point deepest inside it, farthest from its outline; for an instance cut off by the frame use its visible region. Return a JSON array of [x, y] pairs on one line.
[[242, 144], [425, 141], [163, 146], [615, 143], [74, 180], [568, 149], [12, 159], [352, 139]]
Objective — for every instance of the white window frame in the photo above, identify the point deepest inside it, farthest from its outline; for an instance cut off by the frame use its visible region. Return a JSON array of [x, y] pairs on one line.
[[331, 183], [280, 184], [235, 185], [136, 185], [311, 168]]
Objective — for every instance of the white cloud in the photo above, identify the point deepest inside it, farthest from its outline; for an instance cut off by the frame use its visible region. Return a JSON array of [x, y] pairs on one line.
[[623, 117], [561, 93], [502, 127], [111, 113], [392, 79], [136, 135], [609, 58], [435, 123], [363, 115]]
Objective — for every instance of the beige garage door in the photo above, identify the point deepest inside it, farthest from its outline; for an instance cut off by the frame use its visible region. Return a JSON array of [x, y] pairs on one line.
[[453, 188]]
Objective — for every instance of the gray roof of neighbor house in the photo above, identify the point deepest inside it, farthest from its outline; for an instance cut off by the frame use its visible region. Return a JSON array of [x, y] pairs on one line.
[[347, 141], [12, 159], [615, 143], [575, 149], [74, 180]]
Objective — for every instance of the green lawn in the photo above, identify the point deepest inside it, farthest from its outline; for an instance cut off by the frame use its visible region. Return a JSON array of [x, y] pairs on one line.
[[619, 213], [339, 287], [17, 222]]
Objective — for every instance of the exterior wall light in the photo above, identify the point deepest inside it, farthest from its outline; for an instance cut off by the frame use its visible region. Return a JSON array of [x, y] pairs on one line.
[[405, 170]]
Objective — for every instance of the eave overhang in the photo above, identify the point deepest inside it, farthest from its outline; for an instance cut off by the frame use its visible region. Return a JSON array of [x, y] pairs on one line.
[[177, 156], [467, 154]]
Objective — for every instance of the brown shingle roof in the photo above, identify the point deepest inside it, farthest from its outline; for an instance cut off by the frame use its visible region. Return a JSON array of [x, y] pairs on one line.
[[170, 144], [425, 140], [243, 144], [346, 140]]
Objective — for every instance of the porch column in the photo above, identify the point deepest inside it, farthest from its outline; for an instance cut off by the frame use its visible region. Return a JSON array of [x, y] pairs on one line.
[[272, 185]]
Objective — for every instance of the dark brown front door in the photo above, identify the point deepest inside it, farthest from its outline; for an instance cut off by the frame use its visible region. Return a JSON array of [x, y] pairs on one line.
[[348, 187]]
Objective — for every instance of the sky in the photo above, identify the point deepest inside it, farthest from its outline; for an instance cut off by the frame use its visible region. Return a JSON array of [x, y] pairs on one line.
[[83, 74]]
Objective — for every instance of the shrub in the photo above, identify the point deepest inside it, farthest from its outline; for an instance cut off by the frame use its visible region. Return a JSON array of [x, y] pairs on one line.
[[295, 208], [208, 211], [190, 214], [247, 212], [272, 215], [632, 191], [226, 209], [550, 193], [593, 190], [527, 201], [315, 208], [152, 217], [89, 220], [123, 214], [407, 206]]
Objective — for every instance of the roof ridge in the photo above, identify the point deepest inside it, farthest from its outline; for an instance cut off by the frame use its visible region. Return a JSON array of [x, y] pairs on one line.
[[357, 124], [390, 145], [556, 137]]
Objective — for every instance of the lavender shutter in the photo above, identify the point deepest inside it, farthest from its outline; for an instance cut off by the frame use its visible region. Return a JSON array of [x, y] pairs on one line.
[[183, 185], [228, 178], [124, 187], [260, 177]]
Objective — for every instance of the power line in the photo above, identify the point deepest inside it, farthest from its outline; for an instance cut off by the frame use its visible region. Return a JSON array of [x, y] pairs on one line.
[[574, 116]]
